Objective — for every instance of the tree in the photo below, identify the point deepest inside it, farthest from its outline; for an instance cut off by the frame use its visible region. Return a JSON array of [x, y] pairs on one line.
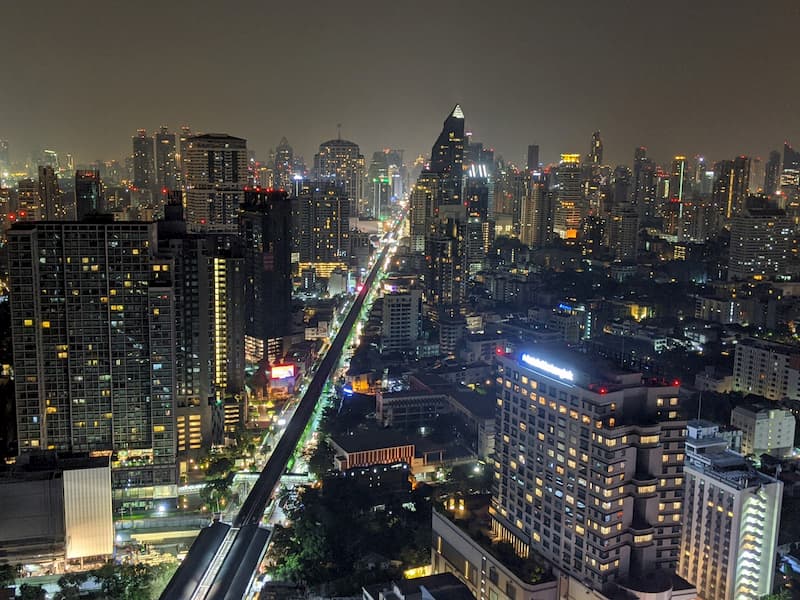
[[8, 573], [31, 592], [126, 581], [782, 595], [320, 460], [70, 586]]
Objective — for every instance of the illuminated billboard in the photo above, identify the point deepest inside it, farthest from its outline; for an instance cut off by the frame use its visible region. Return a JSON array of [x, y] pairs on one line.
[[281, 372], [550, 369]]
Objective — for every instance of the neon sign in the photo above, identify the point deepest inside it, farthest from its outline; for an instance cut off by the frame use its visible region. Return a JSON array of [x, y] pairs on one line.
[[550, 369]]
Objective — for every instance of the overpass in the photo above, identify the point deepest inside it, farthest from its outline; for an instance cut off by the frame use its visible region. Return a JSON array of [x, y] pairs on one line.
[[222, 562]]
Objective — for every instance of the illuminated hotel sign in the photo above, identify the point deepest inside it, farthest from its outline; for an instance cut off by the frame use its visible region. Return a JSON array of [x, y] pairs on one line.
[[550, 369]]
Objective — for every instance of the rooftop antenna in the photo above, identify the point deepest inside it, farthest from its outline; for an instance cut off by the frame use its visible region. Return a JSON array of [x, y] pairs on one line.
[[339, 131], [699, 405]]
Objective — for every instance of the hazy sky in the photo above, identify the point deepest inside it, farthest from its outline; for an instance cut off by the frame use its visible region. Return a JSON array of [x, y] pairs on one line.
[[713, 77]]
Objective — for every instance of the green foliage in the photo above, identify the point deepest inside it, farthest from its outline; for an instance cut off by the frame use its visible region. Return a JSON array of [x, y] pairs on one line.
[[782, 595], [320, 459], [70, 585], [327, 544], [8, 573], [31, 592], [219, 466], [133, 581]]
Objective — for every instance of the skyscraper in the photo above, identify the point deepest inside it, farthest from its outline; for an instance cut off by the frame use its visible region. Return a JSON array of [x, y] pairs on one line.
[[323, 226], [678, 182], [424, 204], [95, 320], [183, 147], [379, 184], [283, 166], [596, 150], [265, 229], [88, 193], [167, 173], [730, 186], [536, 214], [623, 232], [570, 475], [569, 207], [50, 194], [28, 203], [643, 185], [216, 175], [447, 157], [5, 158], [144, 176], [761, 244], [731, 516], [533, 158], [341, 161], [209, 331], [772, 173]]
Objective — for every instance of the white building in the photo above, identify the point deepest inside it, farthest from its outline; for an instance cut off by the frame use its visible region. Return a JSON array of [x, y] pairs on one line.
[[767, 369], [401, 319], [731, 515], [765, 430], [588, 465]]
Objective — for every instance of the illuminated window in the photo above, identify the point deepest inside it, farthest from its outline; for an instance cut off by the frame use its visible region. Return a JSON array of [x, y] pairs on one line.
[[28, 322]]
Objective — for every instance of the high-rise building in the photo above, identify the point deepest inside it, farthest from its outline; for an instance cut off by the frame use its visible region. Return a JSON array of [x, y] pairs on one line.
[[424, 205], [730, 520], [50, 194], [144, 170], [446, 255], [94, 326], [761, 244], [643, 186], [379, 184], [5, 157], [790, 174], [265, 229], [183, 147], [216, 175], [89, 198], [756, 176], [447, 157], [621, 184], [340, 161], [772, 173], [767, 369], [536, 214], [400, 325], [283, 165], [323, 226], [588, 472], [167, 172], [533, 158], [209, 331], [28, 207], [596, 150], [623, 232], [678, 182], [569, 207]]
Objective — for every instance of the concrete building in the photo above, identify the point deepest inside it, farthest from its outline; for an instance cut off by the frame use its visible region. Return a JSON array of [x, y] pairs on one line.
[[766, 369], [401, 320], [216, 175], [56, 508], [93, 326], [731, 515], [588, 465], [765, 430], [761, 244]]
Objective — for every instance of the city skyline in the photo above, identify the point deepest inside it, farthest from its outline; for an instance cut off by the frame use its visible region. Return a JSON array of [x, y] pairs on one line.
[[535, 74]]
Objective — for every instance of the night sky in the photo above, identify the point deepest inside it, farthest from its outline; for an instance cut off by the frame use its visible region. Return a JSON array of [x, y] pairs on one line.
[[712, 77]]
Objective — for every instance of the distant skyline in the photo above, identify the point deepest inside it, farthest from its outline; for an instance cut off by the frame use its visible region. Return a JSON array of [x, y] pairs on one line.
[[717, 79]]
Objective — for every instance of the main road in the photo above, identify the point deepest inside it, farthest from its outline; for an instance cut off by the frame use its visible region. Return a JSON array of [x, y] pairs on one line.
[[223, 560]]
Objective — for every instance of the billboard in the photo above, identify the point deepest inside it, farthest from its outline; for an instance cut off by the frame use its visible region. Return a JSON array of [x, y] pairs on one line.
[[281, 371]]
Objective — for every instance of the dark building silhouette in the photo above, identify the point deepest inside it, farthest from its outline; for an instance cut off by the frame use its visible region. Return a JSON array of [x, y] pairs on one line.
[[772, 173], [265, 230], [447, 157], [167, 174], [144, 176], [88, 193]]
